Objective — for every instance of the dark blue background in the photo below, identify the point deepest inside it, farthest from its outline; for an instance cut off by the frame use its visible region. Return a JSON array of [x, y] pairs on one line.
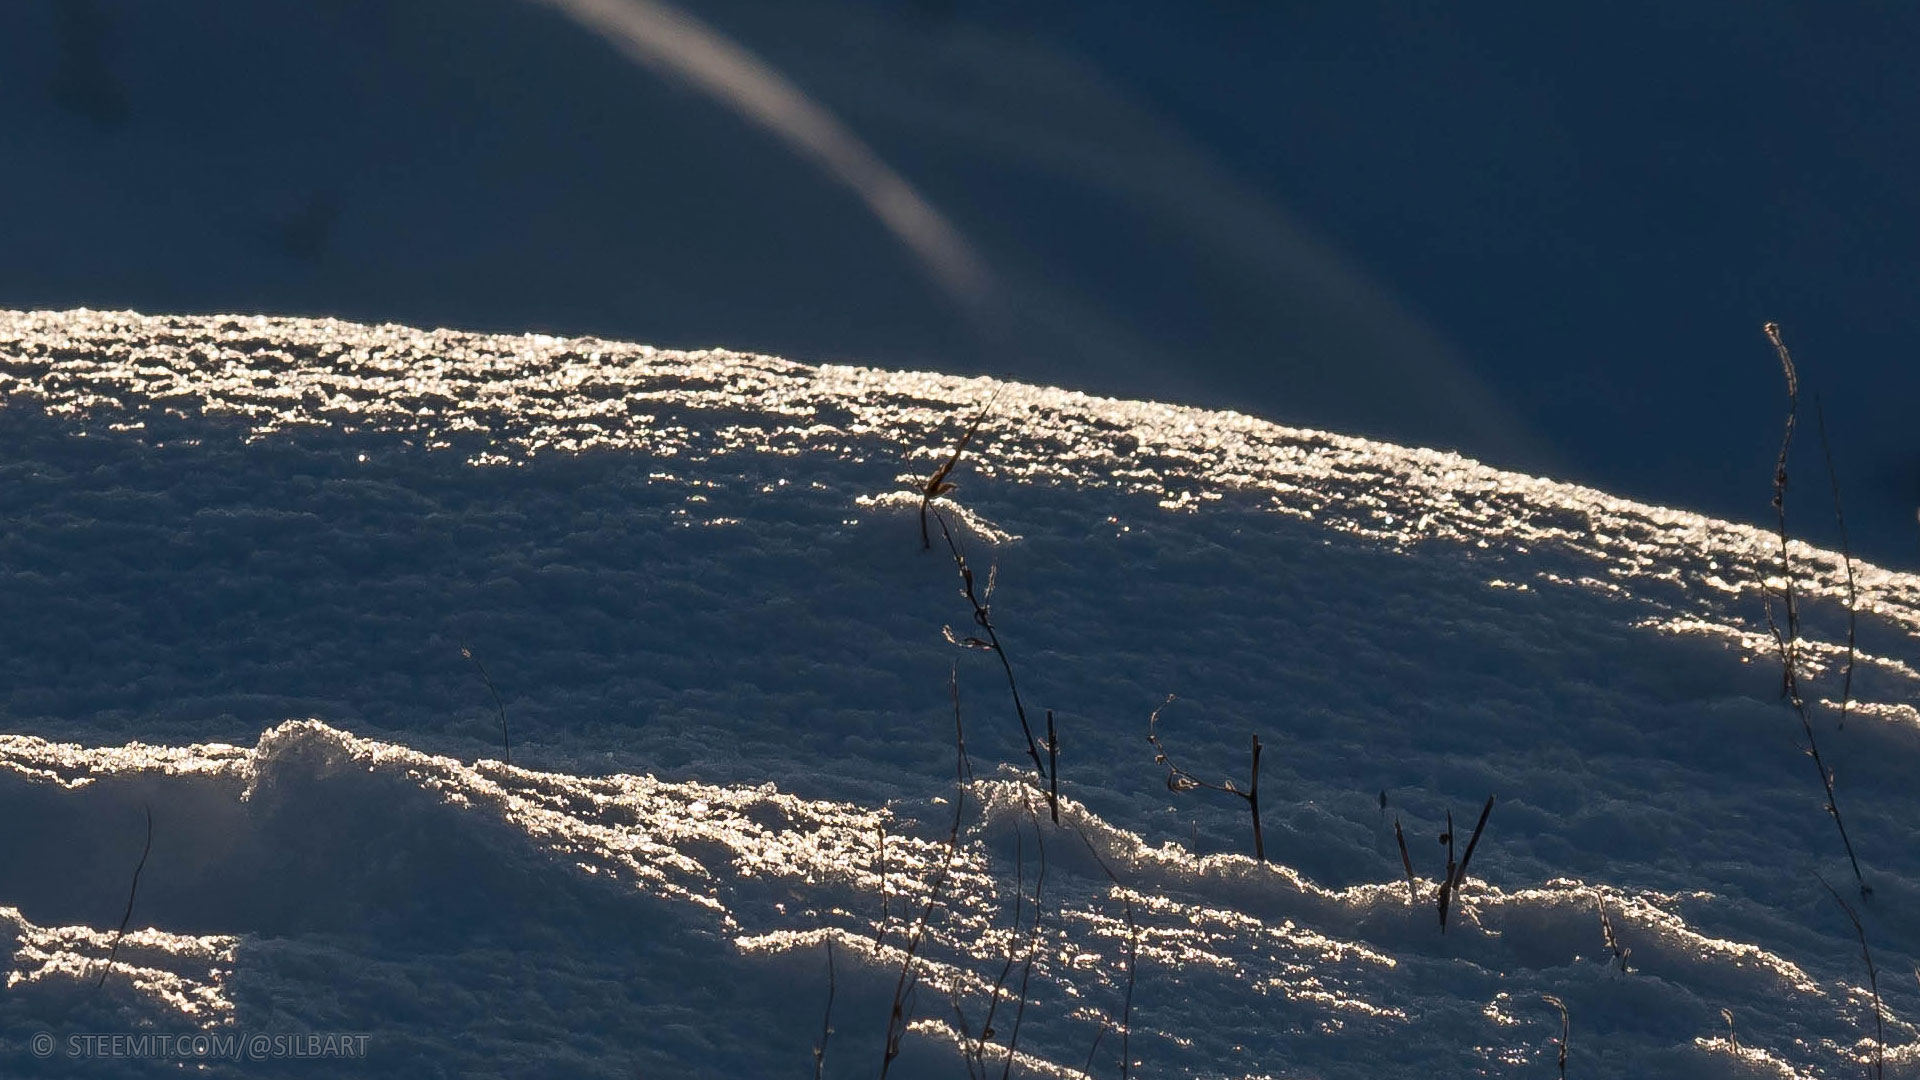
[[1545, 235]]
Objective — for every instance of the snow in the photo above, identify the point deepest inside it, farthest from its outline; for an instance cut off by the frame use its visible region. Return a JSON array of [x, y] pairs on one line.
[[241, 558]]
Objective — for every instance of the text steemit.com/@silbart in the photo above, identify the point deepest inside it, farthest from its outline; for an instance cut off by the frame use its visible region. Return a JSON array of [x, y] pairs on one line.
[[203, 1045]]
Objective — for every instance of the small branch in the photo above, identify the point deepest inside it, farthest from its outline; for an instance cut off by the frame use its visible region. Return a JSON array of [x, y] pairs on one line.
[[132, 892], [937, 484], [506, 749]]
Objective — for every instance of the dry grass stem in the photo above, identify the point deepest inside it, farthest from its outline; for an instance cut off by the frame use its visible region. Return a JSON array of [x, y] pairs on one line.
[[1179, 779], [1786, 637], [937, 484], [132, 892], [826, 1022], [983, 618], [904, 988], [1873, 981], [1565, 1027], [1613, 941], [506, 749]]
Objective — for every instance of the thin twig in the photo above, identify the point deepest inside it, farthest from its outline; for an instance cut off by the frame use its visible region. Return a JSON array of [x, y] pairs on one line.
[[905, 987], [1457, 874], [983, 618], [1787, 637], [1033, 948], [1613, 941], [506, 749], [826, 1022], [1086, 1071], [1053, 770], [132, 891], [1126, 1009], [937, 483], [1126, 1014], [1792, 636], [1873, 980], [1565, 1027], [1179, 779], [1253, 805], [881, 934], [979, 1052], [1460, 878], [1406, 860]]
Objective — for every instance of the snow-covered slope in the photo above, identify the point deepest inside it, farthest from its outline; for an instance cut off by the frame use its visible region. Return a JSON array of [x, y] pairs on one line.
[[241, 558]]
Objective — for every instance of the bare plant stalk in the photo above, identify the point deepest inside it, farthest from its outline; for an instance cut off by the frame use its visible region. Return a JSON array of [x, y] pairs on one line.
[[1053, 770], [1457, 874], [1846, 560], [132, 891], [983, 618], [1873, 981], [1406, 861], [506, 750], [968, 1054], [1253, 804], [1787, 637], [898, 1015], [1792, 635], [978, 1055], [1086, 1071], [1565, 1027], [1133, 937], [1126, 1008], [1613, 941], [1473, 841], [826, 1022], [1179, 779], [937, 484], [1033, 949]]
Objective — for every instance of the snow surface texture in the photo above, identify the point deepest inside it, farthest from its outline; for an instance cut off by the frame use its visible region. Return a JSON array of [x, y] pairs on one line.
[[241, 557]]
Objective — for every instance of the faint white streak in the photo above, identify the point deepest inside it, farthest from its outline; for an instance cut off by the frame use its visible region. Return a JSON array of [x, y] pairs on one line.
[[677, 44]]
